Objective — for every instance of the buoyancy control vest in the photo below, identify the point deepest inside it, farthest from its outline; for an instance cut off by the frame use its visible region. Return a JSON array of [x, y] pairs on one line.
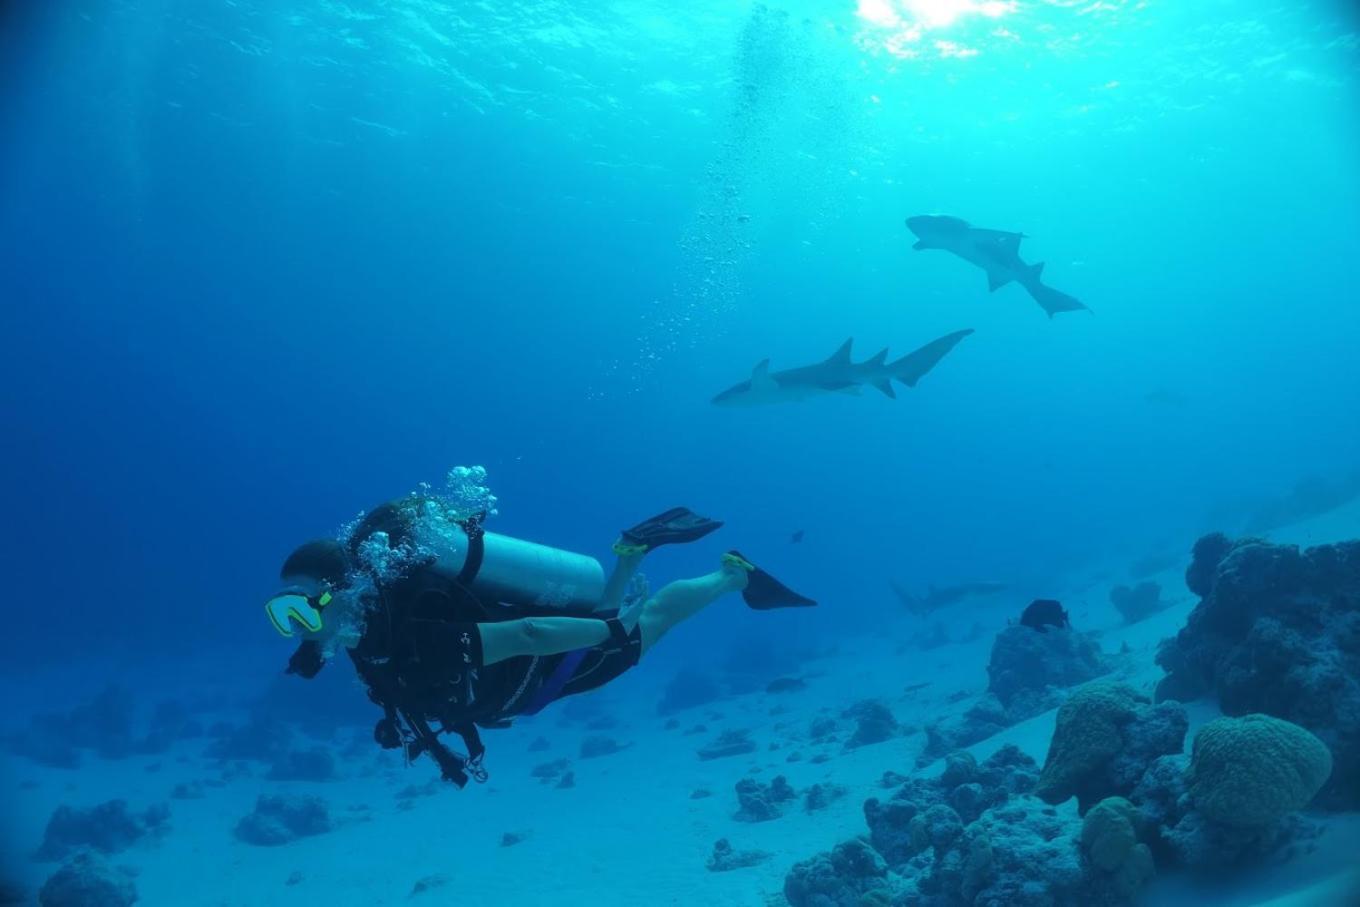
[[407, 653]]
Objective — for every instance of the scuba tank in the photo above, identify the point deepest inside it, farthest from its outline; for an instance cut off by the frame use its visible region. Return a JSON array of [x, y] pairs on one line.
[[517, 572], [495, 568]]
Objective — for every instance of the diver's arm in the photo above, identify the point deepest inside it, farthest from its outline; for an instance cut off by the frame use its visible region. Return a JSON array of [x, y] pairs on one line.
[[539, 636]]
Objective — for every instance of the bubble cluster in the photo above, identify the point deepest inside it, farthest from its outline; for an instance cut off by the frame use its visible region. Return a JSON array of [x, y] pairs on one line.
[[467, 492], [437, 524]]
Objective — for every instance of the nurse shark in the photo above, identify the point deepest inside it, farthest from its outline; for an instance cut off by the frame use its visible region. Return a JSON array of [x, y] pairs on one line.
[[837, 375], [994, 251]]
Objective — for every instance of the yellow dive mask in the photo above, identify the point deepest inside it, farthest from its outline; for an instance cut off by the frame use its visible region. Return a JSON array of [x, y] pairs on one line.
[[294, 606]]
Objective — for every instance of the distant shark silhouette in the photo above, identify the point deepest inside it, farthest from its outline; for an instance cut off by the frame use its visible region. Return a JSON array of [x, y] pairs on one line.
[[837, 375], [935, 599], [994, 251]]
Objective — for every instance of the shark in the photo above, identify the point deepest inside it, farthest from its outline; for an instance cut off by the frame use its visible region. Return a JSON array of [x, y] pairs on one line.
[[935, 599], [994, 251], [837, 374]]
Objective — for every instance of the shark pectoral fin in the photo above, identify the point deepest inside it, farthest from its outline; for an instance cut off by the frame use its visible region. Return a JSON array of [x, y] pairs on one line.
[[996, 281], [921, 244], [886, 386]]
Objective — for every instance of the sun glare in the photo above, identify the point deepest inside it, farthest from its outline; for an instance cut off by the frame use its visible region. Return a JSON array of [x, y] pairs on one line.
[[907, 21]]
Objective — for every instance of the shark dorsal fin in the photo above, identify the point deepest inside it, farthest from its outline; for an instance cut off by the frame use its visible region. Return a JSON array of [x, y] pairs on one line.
[[760, 377], [880, 360], [842, 355]]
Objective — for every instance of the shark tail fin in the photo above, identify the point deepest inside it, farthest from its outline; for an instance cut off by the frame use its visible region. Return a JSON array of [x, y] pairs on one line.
[[912, 366], [885, 385]]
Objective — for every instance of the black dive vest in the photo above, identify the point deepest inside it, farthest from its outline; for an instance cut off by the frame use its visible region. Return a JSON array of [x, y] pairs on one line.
[[404, 659], [410, 659]]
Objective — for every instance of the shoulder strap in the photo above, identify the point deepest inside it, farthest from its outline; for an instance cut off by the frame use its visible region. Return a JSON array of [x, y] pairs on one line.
[[476, 549]]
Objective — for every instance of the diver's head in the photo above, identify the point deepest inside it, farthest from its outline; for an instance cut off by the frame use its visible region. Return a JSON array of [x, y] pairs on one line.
[[311, 575]]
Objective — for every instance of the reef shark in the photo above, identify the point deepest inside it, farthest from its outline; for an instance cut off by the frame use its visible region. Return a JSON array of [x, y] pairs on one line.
[[935, 599], [837, 375], [994, 251]]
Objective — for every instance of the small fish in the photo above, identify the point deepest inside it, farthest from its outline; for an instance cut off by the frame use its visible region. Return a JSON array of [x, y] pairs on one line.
[[796, 537]]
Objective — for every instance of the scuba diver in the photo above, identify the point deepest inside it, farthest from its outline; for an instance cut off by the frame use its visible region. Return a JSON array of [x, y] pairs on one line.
[[453, 628]]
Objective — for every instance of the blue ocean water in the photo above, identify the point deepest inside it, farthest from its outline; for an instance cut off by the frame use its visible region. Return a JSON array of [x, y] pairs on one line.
[[267, 264]]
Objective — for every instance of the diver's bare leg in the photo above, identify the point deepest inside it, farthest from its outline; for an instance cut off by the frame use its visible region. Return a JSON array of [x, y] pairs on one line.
[[539, 636], [630, 559], [684, 598]]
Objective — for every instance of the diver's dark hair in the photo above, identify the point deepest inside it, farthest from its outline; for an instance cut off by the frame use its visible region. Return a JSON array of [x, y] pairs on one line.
[[393, 518], [322, 559]]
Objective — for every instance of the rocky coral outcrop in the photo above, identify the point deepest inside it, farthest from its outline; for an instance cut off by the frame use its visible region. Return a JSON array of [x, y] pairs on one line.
[[874, 723], [973, 835], [283, 819], [726, 858], [1277, 631], [763, 802], [86, 880], [1028, 673], [976, 836], [1107, 735], [1234, 800], [1181, 835], [733, 742], [1119, 865], [1028, 668], [843, 877], [106, 726], [107, 828]]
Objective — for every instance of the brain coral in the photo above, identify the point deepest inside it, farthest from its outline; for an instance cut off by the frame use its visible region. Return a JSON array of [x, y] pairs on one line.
[[1252, 771], [1086, 736], [1110, 842]]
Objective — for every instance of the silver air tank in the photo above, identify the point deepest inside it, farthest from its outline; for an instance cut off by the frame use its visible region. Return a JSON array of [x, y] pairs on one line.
[[526, 573]]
